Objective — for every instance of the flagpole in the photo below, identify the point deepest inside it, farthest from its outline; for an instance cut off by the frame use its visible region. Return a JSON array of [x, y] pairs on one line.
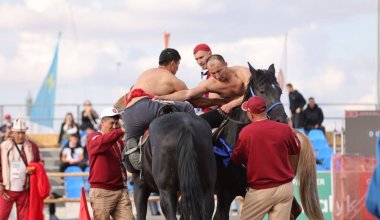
[[286, 56]]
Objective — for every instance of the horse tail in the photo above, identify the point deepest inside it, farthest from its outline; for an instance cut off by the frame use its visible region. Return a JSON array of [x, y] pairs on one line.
[[188, 175], [307, 176]]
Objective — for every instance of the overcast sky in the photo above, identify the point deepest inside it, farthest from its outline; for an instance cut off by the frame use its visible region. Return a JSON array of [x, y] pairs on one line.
[[331, 44]]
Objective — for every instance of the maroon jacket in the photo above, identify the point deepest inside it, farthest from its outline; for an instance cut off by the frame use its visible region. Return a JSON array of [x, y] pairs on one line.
[[104, 151], [264, 146]]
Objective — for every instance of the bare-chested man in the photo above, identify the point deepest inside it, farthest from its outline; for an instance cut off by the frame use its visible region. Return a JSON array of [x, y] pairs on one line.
[[140, 108], [228, 82]]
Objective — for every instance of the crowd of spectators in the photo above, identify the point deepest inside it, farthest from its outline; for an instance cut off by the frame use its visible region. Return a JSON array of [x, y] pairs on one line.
[[73, 137], [307, 118]]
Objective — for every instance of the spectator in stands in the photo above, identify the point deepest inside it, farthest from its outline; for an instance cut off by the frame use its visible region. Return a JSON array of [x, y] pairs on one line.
[[108, 177], [269, 180], [16, 153], [296, 102], [313, 116], [72, 154], [89, 116], [6, 134], [68, 127], [5, 128]]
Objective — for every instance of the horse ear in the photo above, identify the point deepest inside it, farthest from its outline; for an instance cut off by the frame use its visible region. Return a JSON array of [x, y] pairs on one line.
[[271, 69], [252, 70]]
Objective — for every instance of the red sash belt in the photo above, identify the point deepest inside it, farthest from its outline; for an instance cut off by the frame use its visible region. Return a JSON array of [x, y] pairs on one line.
[[137, 93]]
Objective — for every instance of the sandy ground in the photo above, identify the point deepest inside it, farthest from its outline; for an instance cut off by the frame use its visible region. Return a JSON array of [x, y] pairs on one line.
[[71, 211]]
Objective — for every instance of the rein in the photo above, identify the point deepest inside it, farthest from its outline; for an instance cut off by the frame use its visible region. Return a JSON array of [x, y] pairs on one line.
[[225, 115]]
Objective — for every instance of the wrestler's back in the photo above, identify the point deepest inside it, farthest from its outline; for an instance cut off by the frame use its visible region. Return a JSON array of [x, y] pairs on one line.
[[156, 81]]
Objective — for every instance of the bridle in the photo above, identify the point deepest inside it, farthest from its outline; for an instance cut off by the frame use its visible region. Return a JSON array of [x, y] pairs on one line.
[[273, 106]]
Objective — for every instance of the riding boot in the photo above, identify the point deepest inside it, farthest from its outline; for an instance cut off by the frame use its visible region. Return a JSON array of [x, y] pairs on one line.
[[134, 157]]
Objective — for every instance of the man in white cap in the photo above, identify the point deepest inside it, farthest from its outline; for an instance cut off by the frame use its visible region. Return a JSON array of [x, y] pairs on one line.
[[16, 153], [108, 177]]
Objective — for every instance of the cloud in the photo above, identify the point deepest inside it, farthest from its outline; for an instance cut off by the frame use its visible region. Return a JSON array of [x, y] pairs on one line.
[[99, 34]]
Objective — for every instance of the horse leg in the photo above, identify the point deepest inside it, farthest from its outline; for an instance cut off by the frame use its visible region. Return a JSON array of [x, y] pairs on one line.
[[224, 199], [141, 195], [296, 210], [168, 202], [209, 203]]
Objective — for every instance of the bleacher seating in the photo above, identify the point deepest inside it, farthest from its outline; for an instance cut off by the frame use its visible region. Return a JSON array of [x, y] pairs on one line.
[[45, 140], [316, 134], [301, 130], [73, 185], [322, 150]]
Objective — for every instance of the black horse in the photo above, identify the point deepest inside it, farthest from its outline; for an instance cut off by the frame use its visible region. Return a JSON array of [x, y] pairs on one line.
[[231, 179], [178, 158]]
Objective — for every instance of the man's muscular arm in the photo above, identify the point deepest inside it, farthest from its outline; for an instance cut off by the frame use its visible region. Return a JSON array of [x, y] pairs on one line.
[[178, 85], [230, 105], [187, 94]]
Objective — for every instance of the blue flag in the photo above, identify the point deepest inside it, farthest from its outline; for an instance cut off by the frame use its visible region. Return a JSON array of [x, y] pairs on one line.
[[43, 107]]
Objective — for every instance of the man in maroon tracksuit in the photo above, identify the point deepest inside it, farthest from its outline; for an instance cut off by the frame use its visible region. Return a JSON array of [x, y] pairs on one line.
[[264, 147], [108, 192]]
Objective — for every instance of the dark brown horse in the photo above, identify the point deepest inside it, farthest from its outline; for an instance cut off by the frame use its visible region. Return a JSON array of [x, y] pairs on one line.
[[231, 180], [177, 160]]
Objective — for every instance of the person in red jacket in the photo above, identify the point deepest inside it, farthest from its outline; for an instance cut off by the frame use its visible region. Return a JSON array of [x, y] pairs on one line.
[[16, 154], [201, 54], [108, 177], [264, 147]]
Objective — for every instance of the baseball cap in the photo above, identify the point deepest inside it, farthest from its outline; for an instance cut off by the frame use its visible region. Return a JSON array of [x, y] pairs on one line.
[[201, 47], [19, 124], [109, 112], [255, 105]]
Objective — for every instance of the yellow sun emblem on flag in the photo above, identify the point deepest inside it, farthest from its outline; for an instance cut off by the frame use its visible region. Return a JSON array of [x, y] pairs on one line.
[[50, 82]]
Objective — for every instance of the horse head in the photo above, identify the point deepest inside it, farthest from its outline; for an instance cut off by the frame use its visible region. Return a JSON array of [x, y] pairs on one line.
[[264, 83]]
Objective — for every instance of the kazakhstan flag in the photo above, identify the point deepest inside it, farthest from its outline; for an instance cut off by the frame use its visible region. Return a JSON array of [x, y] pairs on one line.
[[43, 107]]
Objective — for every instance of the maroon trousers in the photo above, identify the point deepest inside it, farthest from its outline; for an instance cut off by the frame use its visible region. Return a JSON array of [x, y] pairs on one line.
[[22, 204]]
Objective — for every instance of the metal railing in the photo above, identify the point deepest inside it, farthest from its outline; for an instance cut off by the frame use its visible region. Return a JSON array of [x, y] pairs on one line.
[[334, 113]]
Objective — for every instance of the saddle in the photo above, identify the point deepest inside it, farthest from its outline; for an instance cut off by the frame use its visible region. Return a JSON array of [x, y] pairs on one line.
[[133, 154], [167, 108]]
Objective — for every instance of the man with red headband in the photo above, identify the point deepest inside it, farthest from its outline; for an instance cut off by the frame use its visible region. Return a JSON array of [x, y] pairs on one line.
[[201, 53], [229, 83], [141, 109], [264, 147]]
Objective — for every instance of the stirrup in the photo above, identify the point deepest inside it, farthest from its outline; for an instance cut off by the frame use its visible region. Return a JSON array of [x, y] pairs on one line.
[[134, 153]]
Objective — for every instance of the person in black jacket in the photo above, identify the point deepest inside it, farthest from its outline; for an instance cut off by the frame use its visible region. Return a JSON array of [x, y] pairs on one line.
[[313, 116], [296, 102]]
